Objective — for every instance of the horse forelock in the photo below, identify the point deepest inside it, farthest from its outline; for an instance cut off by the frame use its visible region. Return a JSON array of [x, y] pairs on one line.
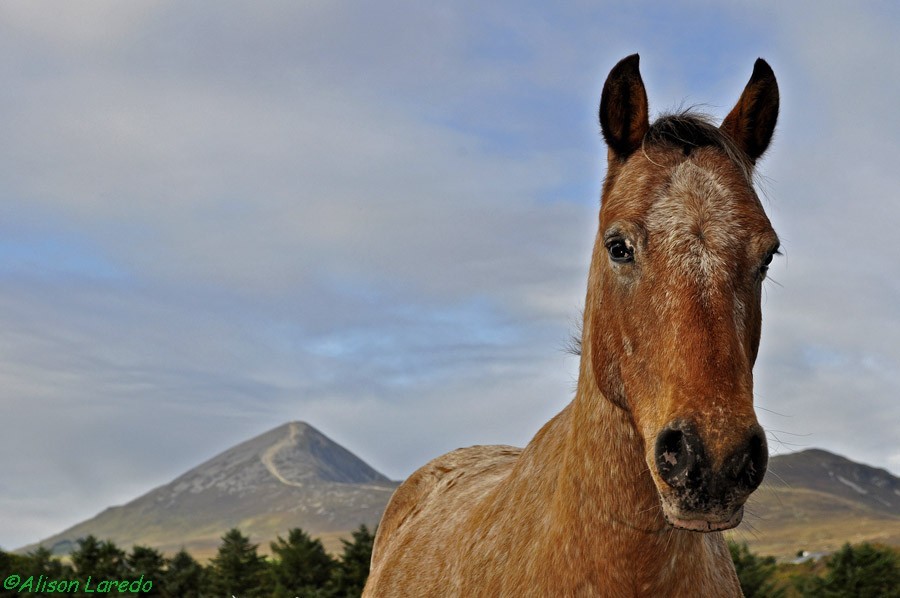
[[688, 130], [690, 194]]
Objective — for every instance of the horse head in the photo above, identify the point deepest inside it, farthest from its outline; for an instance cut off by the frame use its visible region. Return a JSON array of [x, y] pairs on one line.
[[673, 312]]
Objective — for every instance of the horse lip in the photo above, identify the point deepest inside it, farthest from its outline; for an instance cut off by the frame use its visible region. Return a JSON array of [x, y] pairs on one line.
[[705, 524]]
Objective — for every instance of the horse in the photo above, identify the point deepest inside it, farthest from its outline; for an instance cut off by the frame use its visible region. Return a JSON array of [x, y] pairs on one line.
[[626, 491]]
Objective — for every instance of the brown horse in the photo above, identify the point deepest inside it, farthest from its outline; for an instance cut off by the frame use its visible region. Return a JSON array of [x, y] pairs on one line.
[[661, 441]]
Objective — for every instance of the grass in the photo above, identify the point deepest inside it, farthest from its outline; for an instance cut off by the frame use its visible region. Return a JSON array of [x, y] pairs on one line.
[[782, 521]]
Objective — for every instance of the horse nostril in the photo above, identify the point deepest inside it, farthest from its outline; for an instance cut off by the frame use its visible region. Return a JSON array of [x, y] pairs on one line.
[[748, 466], [676, 453]]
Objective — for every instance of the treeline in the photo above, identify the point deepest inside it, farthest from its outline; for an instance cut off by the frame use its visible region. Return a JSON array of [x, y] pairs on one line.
[[858, 571], [299, 566]]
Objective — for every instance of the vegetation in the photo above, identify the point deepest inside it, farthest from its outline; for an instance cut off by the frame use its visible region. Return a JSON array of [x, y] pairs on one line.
[[350, 574], [859, 571], [183, 577], [300, 566], [755, 573]]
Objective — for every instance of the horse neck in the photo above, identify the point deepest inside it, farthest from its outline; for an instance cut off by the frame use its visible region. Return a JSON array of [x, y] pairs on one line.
[[605, 489], [604, 464]]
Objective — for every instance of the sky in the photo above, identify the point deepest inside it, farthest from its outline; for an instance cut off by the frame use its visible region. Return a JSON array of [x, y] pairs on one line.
[[217, 217]]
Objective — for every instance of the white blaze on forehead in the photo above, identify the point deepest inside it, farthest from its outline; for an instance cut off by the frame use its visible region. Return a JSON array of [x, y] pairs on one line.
[[694, 224]]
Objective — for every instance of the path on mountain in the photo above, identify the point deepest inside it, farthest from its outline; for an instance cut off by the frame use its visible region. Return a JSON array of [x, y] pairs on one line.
[[268, 458]]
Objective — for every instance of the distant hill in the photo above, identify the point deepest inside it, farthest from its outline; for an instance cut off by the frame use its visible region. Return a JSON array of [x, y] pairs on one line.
[[291, 476], [814, 500]]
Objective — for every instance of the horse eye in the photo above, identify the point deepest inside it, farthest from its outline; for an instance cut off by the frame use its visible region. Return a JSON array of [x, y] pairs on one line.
[[768, 260], [619, 251]]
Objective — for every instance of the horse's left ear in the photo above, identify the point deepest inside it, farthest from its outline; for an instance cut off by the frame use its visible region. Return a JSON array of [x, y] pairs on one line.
[[752, 121]]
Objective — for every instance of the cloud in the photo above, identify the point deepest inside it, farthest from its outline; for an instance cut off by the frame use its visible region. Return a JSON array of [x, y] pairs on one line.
[[830, 355]]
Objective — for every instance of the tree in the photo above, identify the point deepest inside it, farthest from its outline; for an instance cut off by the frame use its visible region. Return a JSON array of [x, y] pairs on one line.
[[42, 562], [754, 572], [9, 562], [302, 567], [237, 569], [862, 570], [12, 563], [149, 563], [100, 560], [351, 573], [183, 577], [35, 564]]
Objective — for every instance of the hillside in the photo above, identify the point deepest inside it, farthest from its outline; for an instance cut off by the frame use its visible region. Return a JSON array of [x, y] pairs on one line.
[[815, 500], [291, 476]]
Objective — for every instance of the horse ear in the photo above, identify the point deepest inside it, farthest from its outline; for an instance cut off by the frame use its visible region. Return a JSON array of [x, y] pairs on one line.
[[752, 121], [624, 117]]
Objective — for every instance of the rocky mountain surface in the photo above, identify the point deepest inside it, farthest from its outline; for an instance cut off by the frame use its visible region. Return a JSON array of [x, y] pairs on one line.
[[292, 476]]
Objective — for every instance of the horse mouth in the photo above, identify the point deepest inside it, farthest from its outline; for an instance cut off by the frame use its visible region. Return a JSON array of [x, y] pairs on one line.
[[700, 523]]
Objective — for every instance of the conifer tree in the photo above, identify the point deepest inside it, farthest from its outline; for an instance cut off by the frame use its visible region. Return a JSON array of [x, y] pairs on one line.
[[100, 560], [12, 563], [149, 563], [301, 566], [352, 570], [42, 562], [237, 569], [183, 577], [9, 563]]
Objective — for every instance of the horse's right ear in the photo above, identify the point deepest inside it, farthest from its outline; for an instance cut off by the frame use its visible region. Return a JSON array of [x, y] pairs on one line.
[[624, 116]]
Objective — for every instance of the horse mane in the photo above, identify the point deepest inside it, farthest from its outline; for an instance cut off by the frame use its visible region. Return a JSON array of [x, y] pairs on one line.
[[688, 130]]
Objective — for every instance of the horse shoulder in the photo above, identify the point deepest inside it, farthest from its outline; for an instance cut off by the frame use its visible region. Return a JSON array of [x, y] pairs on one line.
[[426, 509]]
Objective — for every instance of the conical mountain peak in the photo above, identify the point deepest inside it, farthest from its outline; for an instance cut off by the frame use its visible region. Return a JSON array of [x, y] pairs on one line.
[[291, 476]]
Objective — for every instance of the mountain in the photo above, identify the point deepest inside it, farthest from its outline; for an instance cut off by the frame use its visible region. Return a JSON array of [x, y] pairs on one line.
[[291, 476], [295, 476], [815, 501]]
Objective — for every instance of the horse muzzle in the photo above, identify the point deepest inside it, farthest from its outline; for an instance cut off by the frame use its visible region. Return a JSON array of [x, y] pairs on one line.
[[697, 496]]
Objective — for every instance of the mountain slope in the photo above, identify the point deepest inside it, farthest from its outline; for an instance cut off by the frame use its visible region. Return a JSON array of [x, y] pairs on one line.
[[822, 471], [291, 476], [814, 500]]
